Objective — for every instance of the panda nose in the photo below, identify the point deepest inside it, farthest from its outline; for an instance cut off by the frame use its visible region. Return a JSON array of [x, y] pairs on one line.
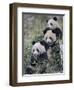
[[49, 41], [35, 54]]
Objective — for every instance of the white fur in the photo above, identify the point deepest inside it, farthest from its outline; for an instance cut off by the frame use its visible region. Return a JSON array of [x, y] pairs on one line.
[[38, 46]]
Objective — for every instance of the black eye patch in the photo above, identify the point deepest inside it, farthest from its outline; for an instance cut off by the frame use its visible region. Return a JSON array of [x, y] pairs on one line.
[[51, 24], [37, 49], [50, 38]]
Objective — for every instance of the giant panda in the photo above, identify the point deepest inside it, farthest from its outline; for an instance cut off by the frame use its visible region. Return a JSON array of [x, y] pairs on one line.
[[39, 58], [51, 38], [53, 24]]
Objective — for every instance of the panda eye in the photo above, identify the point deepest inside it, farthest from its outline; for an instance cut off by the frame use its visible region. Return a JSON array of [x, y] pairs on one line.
[[51, 24], [38, 50], [50, 38]]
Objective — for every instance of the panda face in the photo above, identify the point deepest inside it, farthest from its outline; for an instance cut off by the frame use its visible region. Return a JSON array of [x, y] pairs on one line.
[[38, 49], [53, 23], [49, 37]]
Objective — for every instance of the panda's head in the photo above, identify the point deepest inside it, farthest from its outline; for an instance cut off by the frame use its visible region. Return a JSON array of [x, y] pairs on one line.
[[39, 48], [49, 36], [53, 23]]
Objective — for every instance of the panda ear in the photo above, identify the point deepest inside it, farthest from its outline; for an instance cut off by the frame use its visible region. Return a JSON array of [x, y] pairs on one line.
[[44, 44], [33, 42], [55, 18], [46, 21], [44, 31]]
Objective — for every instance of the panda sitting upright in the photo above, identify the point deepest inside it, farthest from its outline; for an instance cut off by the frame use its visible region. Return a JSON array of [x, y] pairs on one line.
[[52, 36]]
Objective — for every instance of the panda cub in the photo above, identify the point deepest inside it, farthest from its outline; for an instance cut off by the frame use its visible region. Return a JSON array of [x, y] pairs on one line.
[[54, 25]]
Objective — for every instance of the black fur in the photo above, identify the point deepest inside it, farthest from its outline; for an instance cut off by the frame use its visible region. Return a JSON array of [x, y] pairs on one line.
[[44, 44], [46, 21], [33, 61], [40, 58], [55, 18], [29, 70], [43, 56], [46, 29], [33, 42], [58, 32]]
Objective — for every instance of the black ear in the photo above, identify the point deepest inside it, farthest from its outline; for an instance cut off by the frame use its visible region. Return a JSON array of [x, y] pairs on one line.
[[33, 42], [44, 44], [44, 31], [46, 21], [55, 18], [58, 33]]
